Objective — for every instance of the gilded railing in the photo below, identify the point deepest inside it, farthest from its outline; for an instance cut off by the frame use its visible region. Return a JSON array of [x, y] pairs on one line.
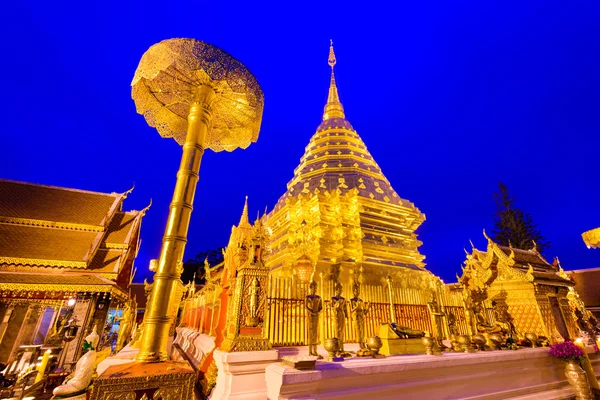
[[287, 316]]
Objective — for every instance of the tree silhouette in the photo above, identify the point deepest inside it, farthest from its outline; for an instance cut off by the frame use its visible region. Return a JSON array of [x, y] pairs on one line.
[[195, 266], [514, 227]]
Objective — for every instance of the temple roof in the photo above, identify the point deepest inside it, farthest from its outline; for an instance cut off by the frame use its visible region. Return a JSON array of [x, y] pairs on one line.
[[22, 283], [346, 201], [528, 264], [20, 244], [524, 258], [65, 229], [120, 228], [40, 204], [337, 158], [106, 260]]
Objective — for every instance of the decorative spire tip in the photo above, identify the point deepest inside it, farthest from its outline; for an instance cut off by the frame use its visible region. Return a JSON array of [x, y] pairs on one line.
[[332, 59]]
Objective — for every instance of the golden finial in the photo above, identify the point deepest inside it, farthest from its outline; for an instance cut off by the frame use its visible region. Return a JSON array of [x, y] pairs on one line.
[[333, 108], [332, 59]]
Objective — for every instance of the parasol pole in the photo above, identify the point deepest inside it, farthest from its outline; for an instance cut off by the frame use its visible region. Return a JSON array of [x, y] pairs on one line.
[[153, 346]]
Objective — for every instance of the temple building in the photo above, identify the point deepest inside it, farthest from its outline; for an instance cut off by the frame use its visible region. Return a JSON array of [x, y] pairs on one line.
[[64, 254], [341, 237], [340, 210], [534, 293]]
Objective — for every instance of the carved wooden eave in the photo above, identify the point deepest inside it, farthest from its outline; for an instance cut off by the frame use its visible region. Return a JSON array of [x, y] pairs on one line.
[[30, 285]]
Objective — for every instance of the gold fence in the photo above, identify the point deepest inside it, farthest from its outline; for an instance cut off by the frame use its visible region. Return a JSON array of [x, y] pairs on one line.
[[287, 314]]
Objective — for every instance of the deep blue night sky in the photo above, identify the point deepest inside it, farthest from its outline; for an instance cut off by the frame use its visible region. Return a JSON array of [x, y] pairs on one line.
[[449, 97]]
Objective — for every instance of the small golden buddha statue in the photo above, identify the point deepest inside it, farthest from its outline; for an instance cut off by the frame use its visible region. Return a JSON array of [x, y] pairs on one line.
[[359, 310], [314, 305], [339, 307]]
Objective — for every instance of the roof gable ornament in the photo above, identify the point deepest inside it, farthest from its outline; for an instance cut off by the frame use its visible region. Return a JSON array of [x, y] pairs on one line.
[[534, 248]]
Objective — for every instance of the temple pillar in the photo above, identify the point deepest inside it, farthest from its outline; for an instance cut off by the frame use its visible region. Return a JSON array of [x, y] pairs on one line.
[[10, 326], [82, 310], [100, 313], [30, 326]]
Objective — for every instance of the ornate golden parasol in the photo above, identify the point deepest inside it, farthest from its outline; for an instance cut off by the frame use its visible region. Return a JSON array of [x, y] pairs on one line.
[[203, 98], [592, 238], [166, 83]]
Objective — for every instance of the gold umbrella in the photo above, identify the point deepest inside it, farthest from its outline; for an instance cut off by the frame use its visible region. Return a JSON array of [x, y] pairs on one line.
[[203, 98], [165, 83]]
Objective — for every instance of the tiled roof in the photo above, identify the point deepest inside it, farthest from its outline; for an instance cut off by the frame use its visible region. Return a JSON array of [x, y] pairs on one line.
[[551, 277], [119, 228], [38, 243], [105, 260], [54, 204], [525, 257]]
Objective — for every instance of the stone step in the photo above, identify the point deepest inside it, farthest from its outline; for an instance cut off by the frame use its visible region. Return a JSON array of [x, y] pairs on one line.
[[549, 391], [565, 393]]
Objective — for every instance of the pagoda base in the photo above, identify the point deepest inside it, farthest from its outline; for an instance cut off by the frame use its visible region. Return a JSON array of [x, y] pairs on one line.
[[167, 380], [242, 374], [487, 375]]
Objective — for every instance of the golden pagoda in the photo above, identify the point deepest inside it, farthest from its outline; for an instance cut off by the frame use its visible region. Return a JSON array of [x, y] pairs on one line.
[[339, 208]]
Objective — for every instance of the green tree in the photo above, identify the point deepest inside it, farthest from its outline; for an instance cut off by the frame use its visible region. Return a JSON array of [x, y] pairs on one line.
[[513, 226]]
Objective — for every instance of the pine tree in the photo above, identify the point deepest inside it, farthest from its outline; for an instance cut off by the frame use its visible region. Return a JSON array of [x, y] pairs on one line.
[[513, 226]]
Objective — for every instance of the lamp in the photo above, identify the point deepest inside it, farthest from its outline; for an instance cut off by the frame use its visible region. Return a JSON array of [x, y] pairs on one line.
[[304, 268]]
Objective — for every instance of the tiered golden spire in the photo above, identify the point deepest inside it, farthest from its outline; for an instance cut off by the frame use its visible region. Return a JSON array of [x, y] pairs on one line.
[[333, 108], [244, 218]]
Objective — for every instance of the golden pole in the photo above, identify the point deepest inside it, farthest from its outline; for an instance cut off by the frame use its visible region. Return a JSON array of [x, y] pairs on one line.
[[392, 311], [156, 331]]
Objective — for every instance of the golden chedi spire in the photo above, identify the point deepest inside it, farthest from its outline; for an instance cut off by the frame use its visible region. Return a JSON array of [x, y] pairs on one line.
[[333, 108], [347, 203], [244, 218]]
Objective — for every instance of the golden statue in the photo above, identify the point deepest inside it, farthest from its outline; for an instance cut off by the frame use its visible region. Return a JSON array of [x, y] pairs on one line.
[[314, 305], [207, 276], [481, 323], [359, 309], [437, 316], [339, 314], [503, 319], [253, 293]]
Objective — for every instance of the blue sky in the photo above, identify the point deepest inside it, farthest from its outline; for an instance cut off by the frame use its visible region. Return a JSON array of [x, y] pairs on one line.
[[449, 98]]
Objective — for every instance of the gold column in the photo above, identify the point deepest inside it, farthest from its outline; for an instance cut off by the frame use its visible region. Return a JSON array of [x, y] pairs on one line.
[[390, 291], [156, 331]]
